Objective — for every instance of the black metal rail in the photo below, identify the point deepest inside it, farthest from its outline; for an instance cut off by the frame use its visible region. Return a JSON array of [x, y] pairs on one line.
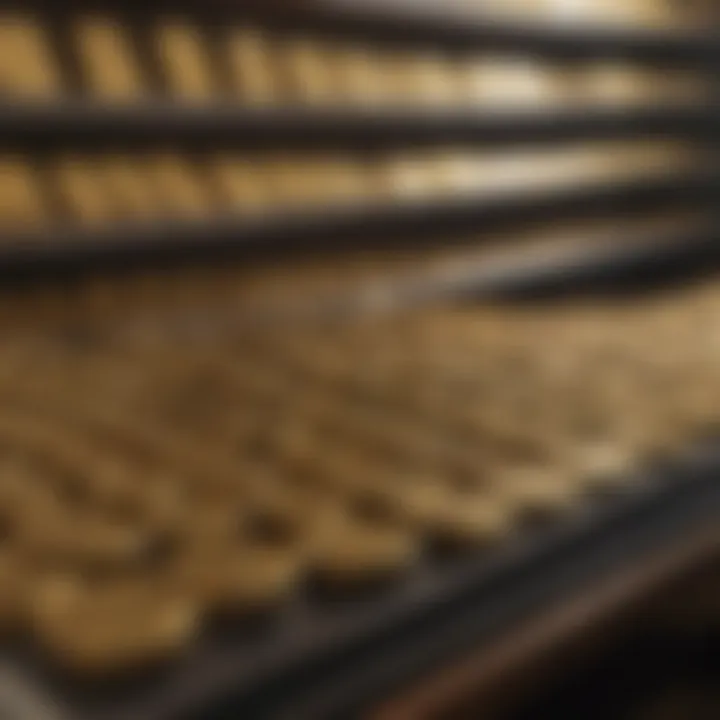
[[95, 126], [638, 266], [629, 262]]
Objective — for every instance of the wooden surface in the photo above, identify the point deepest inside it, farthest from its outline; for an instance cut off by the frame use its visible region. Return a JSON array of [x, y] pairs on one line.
[[541, 650]]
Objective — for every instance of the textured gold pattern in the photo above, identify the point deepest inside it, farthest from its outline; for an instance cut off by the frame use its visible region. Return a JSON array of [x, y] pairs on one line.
[[155, 478], [196, 63], [94, 190]]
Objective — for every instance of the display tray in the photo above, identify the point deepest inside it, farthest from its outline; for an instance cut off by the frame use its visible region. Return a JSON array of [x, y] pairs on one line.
[[328, 657], [66, 252]]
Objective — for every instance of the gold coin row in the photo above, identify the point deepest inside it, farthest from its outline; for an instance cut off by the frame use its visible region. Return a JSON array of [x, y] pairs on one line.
[[148, 482], [257, 67], [214, 535], [101, 189]]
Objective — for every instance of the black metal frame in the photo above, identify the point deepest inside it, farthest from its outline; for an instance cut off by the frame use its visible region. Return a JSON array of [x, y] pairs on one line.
[[95, 127]]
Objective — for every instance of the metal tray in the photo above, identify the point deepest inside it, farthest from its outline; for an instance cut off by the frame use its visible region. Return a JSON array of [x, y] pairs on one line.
[[325, 658], [71, 252]]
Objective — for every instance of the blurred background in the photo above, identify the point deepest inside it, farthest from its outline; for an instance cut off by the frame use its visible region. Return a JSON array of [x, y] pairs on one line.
[[359, 359]]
